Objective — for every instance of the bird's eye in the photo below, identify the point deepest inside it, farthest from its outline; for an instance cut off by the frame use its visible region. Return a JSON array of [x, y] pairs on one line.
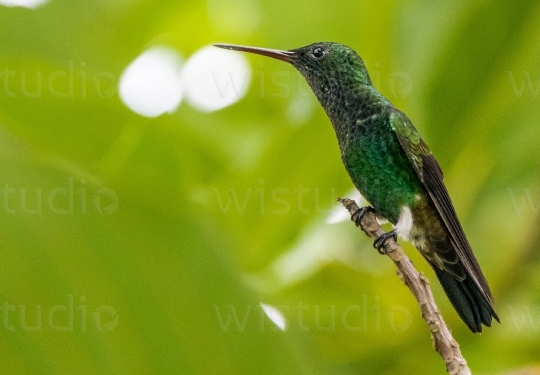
[[318, 52]]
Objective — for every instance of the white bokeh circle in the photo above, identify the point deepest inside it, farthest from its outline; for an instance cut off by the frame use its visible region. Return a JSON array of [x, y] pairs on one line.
[[214, 78], [150, 85], [23, 3]]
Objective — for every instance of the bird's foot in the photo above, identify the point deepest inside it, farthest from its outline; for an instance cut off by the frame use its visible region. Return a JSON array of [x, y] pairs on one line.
[[381, 241], [359, 214]]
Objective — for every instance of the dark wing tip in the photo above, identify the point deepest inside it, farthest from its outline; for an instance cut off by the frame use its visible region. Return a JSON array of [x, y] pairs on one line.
[[468, 300]]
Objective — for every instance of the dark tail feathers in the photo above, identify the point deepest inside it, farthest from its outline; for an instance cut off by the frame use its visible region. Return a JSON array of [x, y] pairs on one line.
[[469, 302]]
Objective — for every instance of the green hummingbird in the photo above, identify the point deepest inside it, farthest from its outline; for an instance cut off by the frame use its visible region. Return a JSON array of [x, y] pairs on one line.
[[393, 169]]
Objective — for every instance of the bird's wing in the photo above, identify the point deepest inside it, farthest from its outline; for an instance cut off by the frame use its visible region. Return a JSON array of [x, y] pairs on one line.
[[431, 175]]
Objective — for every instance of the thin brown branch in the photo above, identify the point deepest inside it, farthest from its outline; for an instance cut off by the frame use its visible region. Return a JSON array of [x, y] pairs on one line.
[[441, 336]]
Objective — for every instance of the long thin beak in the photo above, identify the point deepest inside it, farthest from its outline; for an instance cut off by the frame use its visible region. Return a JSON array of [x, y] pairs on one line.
[[273, 53]]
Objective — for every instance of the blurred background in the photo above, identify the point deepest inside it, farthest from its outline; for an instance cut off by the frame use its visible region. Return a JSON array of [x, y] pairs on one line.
[[170, 208]]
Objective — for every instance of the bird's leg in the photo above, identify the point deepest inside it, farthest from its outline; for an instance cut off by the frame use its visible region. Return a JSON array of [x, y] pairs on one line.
[[381, 241], [359, 214]]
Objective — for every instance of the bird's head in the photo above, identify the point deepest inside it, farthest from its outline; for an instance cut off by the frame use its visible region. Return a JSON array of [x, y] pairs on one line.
[[329, 68]]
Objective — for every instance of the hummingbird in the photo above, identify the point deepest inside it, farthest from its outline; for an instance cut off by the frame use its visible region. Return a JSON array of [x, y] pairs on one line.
[[394, 169]]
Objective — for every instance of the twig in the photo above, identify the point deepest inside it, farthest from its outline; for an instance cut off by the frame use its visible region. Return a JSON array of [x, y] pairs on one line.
[[441, 336]]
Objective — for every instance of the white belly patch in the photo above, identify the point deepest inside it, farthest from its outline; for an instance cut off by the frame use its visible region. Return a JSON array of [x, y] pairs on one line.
[[405, 223]]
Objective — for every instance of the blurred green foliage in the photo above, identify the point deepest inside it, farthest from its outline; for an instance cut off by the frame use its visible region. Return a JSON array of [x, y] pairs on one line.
[[143, 273]]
